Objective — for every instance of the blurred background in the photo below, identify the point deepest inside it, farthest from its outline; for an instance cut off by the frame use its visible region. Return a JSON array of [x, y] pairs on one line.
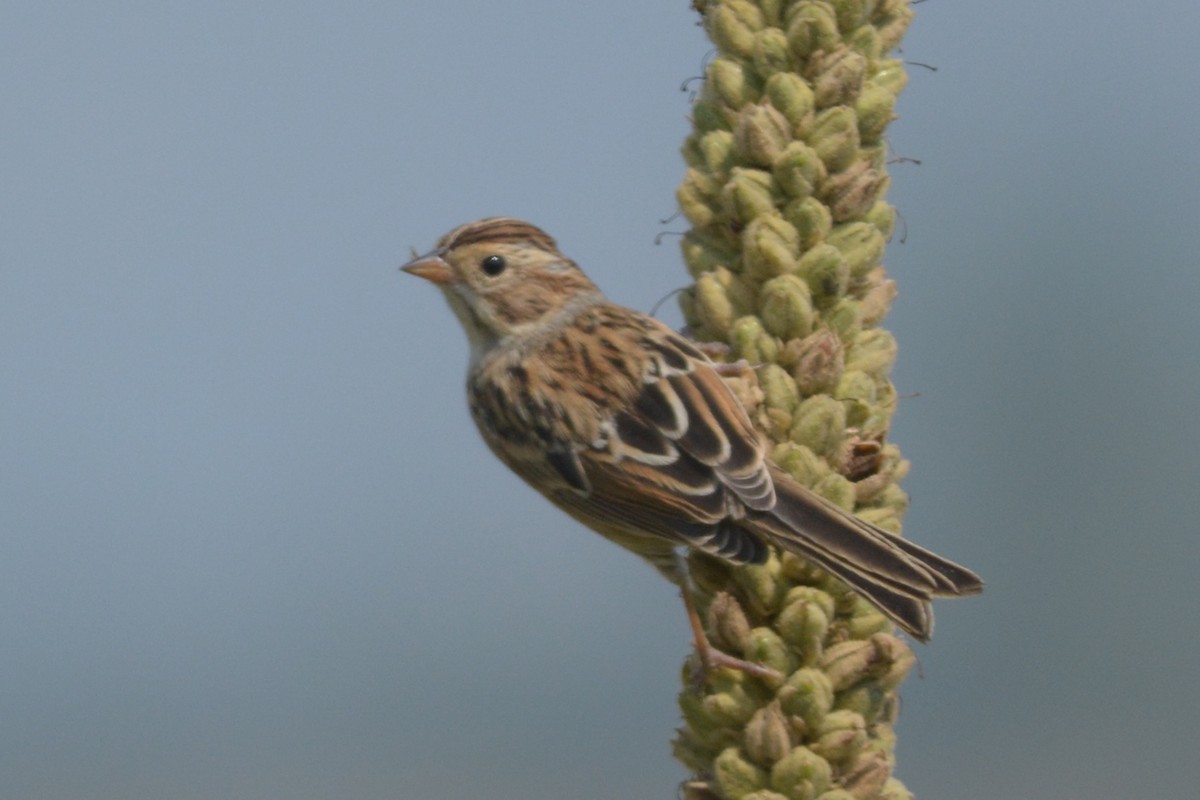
[[252, 547]]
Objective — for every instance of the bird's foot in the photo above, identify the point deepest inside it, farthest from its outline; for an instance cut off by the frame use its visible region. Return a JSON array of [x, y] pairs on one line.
[[711, 659]]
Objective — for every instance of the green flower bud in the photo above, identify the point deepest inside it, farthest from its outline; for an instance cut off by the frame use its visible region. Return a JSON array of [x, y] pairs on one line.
[[840, 735], [881, 517], [837, 794], [693, 206], [749, 193], [688, 750], [707, 734], [848, 663], [785, 307], [850, 13], [727, 81], [732, 25], [735, 776], [882, 658], [872, 351], [866, 699], [864, 410], [717, 151], [804, 622], [763, 590], [816, 362], [883, 216], [779, 389], [807, 695], [751, 342], [826, 272], [769, 247], [811, 26], [730, 701], [895, 498], [801, 775], [765, 647], [722, 297], [691, 152], [793, 97], [867, 774], [862, 245], [878, 300], [845, 318], [865, 39], [687, 304], [893, 461], [805, 466], [811, 220], [889, 74], [768, 735], [879, 418], [867, 623], [837, 489], [771, 54], [860, 391], [891, 19], [835, 137], [851, 193], [812, 595], [704, 251], [695, 196], [875, 107], [883, 737], [894, 790], [708, 114], [772, 11], [819, 424], [798, 170], [740, 292], [763, 794], [896, 657], [837, 76], [760, 134], [801, 571], [727, 621]]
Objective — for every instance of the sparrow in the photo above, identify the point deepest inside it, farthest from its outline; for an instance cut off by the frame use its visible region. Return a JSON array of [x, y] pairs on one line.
[[627, 426]]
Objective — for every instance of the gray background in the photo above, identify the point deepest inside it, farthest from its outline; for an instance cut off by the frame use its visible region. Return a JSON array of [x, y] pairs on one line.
[[250, 544]]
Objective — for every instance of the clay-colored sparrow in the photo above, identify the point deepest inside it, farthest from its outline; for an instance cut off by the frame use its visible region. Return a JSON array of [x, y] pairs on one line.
[[628, 427]]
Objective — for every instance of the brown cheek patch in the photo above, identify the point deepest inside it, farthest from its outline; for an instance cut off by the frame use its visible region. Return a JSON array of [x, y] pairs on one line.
[[515, 309], [529, 300]]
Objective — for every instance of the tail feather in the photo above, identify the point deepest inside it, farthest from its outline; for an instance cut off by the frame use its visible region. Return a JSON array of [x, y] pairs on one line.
[[954, 580], [910, 611], [896, 575]]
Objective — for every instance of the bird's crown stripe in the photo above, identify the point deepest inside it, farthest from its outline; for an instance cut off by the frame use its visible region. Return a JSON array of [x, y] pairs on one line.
[[499, 229]]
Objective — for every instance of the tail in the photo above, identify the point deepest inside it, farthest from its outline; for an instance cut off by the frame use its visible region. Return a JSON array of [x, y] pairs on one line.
[[896, 575]]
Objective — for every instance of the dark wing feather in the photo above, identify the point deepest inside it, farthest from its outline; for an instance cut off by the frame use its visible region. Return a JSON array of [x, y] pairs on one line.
[[565, 462], [680, 458]]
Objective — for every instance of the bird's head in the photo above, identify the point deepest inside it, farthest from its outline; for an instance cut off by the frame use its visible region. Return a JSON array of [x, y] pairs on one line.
[[502, 277]]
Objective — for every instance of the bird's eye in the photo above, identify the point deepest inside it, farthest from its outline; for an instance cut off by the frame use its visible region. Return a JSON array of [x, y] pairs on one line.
[[493, 265]]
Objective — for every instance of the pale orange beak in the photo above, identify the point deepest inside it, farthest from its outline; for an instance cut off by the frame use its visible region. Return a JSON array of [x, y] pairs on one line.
[[432, 268]]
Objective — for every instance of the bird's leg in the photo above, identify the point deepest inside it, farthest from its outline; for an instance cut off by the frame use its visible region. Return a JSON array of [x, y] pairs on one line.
[[734, 369], [710, 657], [717, 352]]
